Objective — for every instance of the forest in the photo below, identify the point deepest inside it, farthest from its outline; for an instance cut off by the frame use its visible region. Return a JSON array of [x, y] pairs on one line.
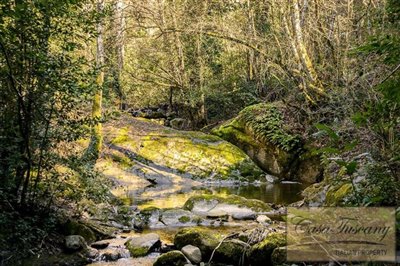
[[180, 132]]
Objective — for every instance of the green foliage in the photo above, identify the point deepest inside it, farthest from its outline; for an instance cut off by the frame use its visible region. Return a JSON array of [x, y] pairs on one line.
[[267, 122], [379, 188], [382, 113], [46, 83], [336, 146]]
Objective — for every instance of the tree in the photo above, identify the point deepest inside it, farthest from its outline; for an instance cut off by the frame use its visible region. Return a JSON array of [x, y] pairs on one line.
[[44, 81], [96, 142]]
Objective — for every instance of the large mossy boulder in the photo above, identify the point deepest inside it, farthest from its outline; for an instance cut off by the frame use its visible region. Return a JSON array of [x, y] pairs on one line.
[[73, 227], [261, 253], [196, 153], [264, 133], [201, 238]]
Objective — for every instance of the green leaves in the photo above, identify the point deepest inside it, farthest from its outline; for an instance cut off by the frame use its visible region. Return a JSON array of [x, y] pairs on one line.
[[351, 167], [267, 121], [329, 131]]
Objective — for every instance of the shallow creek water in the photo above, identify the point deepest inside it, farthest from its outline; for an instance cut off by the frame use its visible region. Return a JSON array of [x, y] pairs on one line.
[[281, 193], [175, 197]]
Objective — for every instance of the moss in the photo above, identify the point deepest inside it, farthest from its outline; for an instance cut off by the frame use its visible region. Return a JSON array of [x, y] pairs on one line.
[[260, 122], [72, 227], [231, 252], [122, 160], [196, 153], [255, 205], [184, 219], [172, 258], [200, 238], [122, 136], [136, 251], [197, 220], [336, 195], [260, 254], [279, 256]]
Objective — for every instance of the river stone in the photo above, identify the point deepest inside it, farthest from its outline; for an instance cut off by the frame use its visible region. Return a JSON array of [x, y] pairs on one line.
[[198, 237], [260, 254], [177, 217], [217, 214], [102, 244], [271, 178], [172, 258], [231, 252], [142, 245], [149, 217], [263, 219], [192, 253], [114, 254], [238, 213], [75, 243], [204, 206]]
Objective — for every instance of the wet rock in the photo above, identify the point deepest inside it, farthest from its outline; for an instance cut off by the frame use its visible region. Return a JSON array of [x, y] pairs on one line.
[[102, 244], [231, 204], [75, 243], [192, 253], [231, 252], [271, 178], [177, 217], [172, 258], [197, 237], [114, 254], [237, 207], [260, 254], [149, 217], [142, 245], [91, 253]]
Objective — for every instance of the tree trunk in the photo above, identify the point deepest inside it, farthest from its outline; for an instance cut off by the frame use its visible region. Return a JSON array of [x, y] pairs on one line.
[[97, 138], [313, 83], [120, 50]]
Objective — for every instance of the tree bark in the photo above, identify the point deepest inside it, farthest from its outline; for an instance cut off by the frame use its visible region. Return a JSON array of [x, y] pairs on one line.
[[314, 83], [97, 138]]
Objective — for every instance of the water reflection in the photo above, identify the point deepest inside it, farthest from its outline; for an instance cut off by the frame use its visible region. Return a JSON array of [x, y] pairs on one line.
[[282, 193]]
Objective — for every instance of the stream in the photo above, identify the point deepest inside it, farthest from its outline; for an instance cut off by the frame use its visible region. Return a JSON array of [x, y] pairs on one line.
[[173, 196]]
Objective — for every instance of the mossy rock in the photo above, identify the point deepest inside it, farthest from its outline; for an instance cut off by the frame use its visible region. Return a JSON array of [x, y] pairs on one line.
[[142, 245], [232, 252], [137, 251], [260, 254], [197, 237], [172, 258], [196, 153], [315, 194], [146, 217], [278, 256], [336, 195], [262, 132], [72, 227], [253, 204]]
